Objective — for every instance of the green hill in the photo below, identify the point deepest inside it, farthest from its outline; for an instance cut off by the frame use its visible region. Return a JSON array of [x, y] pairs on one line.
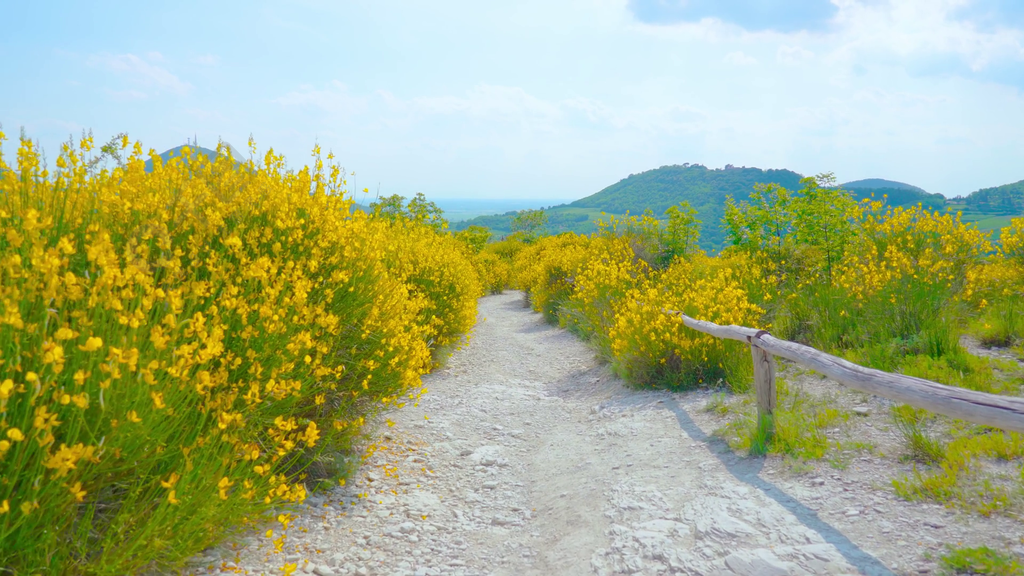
[[1007, 199], [991, 209], [195, 149], [875, 183], [705, 189], [895, 193]]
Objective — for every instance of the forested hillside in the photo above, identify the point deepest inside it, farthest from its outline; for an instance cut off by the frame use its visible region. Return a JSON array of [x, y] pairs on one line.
[[1007, 199], [874, 183], [894, 193], [705, 189]]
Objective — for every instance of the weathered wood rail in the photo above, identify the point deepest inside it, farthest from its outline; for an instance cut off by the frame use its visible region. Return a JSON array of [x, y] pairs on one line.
[[979, 407]]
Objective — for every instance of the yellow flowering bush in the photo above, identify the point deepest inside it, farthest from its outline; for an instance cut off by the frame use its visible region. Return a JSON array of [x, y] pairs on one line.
[[439, 273], [651, 347], [178, 345], [904, 279], [611, 271], [546, 270], [494, 271], [996, 290]]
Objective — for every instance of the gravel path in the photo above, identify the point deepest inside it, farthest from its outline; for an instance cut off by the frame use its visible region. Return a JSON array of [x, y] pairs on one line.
[[527, 456]]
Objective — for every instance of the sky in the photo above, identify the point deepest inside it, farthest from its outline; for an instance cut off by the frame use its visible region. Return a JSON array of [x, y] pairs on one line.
[[537, 99]]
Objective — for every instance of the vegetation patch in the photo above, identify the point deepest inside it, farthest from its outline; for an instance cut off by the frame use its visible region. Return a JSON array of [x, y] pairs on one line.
[[186, 348], [979, 560], [806, 426]]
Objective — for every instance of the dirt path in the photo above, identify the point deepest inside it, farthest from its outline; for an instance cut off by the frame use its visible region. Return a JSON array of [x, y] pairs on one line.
[[527, 456]]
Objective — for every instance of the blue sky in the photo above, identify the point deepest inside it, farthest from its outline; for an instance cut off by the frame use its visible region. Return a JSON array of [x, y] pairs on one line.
[[551, 99]]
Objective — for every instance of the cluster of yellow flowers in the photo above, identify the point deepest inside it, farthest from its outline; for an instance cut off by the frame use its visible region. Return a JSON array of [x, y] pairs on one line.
[[610, 273], [178, 345], [911, 244], [649, 344], [604, 288], [547, 270]]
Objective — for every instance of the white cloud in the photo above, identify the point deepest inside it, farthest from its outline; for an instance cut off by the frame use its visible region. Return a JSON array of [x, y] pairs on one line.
[[922, 28], [738, 58], [793, 54], [487, 101], [126, 95], [141, 72], [206, 60], [334, 99]]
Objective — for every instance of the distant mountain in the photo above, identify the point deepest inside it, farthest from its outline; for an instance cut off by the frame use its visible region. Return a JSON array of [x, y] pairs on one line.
[[195, 149], [895, 193], [669, 185], [1007, 199], [704, 188], [874, 183]]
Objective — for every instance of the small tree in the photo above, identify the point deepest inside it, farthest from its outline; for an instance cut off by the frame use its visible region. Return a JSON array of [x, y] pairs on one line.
[[426, 212], [825, 216], [476, 237], [681, 235], [391, 207], [529, 224], [419, 210]]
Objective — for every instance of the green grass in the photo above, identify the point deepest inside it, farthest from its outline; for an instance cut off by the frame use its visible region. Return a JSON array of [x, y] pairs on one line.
[[980, 560], [801, 421]]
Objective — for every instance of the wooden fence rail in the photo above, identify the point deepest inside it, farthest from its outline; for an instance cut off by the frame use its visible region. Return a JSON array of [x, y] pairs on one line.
[[979, 407]]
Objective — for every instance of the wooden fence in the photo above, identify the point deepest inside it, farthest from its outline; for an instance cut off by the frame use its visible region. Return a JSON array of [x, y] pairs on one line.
[[979, 407]]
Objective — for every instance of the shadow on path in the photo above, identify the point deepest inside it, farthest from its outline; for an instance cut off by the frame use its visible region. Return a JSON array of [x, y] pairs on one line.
[[746, 470]]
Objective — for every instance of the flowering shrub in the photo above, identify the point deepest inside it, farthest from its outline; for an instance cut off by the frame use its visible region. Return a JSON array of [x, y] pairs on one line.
[[652, 347], [546, 270], [494, 271], [610, 272], [179, 345]]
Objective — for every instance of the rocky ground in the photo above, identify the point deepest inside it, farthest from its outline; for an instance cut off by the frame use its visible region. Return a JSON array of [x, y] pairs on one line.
[[527, 456]]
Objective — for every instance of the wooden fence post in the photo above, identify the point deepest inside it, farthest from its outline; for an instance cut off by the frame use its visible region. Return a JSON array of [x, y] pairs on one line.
[[764, 384]]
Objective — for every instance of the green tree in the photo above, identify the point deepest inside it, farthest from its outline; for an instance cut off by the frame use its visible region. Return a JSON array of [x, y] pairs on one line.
[[529, 224], [476, 237], [824, 220], [681, 236], [762, 226], [391, 207], [418, 210], [425, 212]]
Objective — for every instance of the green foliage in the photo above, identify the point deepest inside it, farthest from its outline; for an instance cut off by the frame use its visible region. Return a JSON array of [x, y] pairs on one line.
[[825, 220], [961, 478], [801, 422], [1001, 323], [965, 370], [798, 237], [476, 237], [657, 242], [1005, 199], [702, 188], [418, 209], [529, 224], [980, 560], [912, 424], [681, 235]]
